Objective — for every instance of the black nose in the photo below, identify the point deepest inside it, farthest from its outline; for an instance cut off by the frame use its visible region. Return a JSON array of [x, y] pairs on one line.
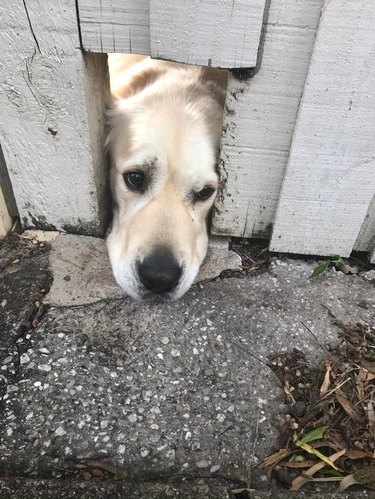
[[159, 272]]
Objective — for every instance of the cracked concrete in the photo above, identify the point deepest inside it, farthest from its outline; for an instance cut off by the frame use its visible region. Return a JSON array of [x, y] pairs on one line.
[[161, 389]]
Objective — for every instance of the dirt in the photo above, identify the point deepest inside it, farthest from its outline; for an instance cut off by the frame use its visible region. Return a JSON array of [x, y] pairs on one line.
[[24, 280], [331, 408], [255, 258]]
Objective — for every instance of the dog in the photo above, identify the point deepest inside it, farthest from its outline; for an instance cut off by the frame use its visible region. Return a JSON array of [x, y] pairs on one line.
[[165, 125]]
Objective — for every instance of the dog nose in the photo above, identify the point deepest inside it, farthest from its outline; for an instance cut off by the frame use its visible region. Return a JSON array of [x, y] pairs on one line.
[[159, 272]]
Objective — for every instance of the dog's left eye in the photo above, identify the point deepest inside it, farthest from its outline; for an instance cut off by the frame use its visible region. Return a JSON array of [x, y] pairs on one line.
[[204, 194], [134, 180]]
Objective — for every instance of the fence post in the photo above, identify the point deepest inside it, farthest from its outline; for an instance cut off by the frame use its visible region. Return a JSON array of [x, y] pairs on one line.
[[260, 118], [52, 128], [330, 176]]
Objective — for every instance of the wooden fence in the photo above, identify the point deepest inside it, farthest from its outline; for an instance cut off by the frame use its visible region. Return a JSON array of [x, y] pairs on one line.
[[298, 146]]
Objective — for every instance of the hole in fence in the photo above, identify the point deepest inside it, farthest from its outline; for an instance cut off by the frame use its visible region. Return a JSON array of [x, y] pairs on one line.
[[120, 65], [168, 109], [164, 135]]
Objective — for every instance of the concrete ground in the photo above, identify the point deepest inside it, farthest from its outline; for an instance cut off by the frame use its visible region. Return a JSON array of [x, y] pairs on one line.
[[175, 392]]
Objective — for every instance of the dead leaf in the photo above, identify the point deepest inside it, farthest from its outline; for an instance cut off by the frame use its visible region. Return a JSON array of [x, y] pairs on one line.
[[348, 269], [347, 406], [104, 466], [272, 460], [326, 479], [358, 454], [369, 365], [287, 391], [331, 445], [301, 480], [11, 269], [343, 399], [294, 464], [336, 388], [79, 466], [97, 473], [364, 477], [371, 414], [361, 381], [325, 385]]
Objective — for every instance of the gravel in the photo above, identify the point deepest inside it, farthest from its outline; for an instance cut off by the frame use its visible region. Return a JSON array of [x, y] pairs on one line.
[[168, 388]]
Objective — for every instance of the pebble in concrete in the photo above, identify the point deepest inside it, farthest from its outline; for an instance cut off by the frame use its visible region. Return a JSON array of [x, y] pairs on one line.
[[107, 392]]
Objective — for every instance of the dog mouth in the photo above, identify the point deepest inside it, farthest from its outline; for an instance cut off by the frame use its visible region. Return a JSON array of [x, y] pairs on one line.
[[151, 298], [142, 294], [160, 275], [163, 292], [129, 281]]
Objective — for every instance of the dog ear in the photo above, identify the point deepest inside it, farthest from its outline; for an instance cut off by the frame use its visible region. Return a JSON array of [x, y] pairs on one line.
[[116, 122], [216, 80], [127, 80]]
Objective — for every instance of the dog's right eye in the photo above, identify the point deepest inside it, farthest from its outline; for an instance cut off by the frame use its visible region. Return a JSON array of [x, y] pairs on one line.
[[134, 180]]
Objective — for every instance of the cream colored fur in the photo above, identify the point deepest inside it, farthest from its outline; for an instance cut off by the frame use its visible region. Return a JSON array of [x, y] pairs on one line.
[[166, 120]]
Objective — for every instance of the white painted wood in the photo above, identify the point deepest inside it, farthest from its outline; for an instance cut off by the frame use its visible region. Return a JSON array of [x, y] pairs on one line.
[[7, 187], [115, 25], [54, 159], [330, 177], [217, 33], [366, 237], [5, 218], [260, 119]]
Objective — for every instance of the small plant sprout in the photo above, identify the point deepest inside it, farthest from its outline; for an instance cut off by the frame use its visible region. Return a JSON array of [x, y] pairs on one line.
[[322, 267]]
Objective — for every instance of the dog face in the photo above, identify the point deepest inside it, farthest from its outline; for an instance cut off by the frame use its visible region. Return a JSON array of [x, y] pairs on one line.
[[164, 143]]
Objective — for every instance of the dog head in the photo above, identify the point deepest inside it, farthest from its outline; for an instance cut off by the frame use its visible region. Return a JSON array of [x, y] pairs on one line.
[[164, 142]]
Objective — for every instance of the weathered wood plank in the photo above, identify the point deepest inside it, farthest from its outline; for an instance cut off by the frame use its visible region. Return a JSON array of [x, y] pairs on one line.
[[5, 218], [115, 25], [366, 237], [55, 160], [217, 33], [8, 207], [260, 119], [7, 187], [330, 177]]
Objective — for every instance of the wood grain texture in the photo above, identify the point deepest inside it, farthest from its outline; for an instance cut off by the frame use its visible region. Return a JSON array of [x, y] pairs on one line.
[[5, 218], [260, 118], [366, 237], [6, 187], [115, 25], [217, 33], [53, 158], [330, 177]]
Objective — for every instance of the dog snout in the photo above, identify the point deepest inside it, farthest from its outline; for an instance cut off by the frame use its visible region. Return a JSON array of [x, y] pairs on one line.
[[159, 272]]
